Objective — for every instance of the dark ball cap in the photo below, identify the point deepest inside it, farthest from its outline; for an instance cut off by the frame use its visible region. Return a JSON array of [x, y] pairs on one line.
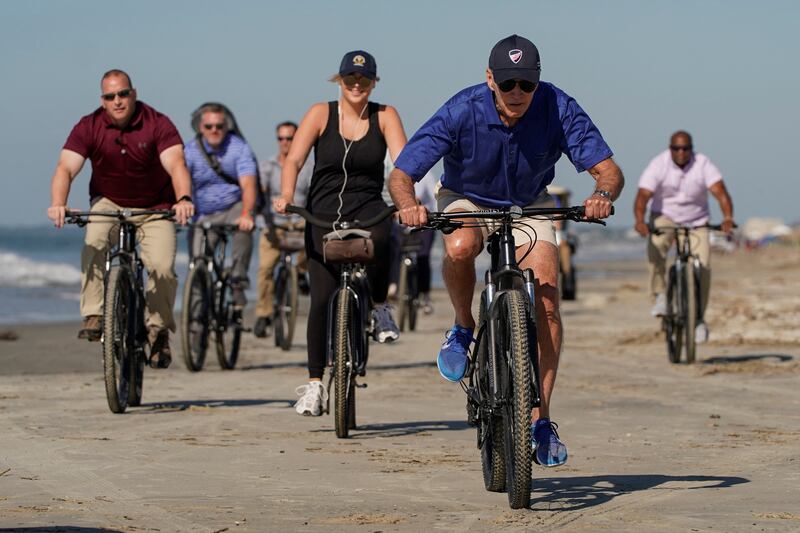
[[359, 61], [515, 57]]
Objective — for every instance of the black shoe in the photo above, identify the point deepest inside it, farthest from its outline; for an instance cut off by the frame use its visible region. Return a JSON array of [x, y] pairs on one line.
[[262, 327], [302, 284], [92, 328]]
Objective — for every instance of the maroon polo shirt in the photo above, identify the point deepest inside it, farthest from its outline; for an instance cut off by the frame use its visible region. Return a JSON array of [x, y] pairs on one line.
[[126, 167]]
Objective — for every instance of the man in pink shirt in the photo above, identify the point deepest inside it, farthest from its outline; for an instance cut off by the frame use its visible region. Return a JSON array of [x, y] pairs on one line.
[[676, 183]]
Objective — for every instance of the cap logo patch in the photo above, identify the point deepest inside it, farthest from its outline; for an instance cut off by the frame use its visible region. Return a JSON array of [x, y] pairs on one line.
[[515, 55], [359, 61]]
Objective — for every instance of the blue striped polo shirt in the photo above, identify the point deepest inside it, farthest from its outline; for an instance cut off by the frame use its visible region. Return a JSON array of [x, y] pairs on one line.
[[211, 193]]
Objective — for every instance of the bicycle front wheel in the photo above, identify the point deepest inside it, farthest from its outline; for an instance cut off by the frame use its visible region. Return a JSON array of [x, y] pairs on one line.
[[285, 315], [515, 385], [194, 317], [673, 324], [490, 427], [690, 311], [118, 341], [343, 379], [228, 328]]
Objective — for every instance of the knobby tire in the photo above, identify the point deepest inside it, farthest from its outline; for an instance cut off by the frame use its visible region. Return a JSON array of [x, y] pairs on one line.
[[118, 342], [343, 390], [195, 317]]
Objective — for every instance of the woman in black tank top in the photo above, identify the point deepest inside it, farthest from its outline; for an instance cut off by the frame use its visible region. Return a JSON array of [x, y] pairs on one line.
[[350, 138]]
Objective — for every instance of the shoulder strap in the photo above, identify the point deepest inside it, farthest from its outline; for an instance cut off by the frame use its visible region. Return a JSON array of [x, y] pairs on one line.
[[213, 163]]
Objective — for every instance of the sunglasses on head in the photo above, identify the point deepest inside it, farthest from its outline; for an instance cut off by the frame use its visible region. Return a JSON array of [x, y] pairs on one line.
[[508, 85], [214, 126], [350, 80], [676, 148], [285, 138], [124, 93]]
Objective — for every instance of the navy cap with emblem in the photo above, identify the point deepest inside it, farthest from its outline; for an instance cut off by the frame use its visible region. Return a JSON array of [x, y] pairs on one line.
[[359, 61], [515, 57]]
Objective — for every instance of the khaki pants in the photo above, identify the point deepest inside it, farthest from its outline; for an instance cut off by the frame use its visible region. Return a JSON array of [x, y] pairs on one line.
[[157, 244], [657, 248], [268, 255]]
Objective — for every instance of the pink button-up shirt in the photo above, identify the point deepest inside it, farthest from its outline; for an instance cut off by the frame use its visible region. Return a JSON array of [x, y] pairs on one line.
[[680, 194]]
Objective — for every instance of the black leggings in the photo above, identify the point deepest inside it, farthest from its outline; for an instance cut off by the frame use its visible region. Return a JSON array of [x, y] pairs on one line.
[[324, 279]]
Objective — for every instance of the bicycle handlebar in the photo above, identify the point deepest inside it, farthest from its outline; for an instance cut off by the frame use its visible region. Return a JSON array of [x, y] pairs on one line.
[[81, 218], [451, 221], [662, 229], [352, 224]]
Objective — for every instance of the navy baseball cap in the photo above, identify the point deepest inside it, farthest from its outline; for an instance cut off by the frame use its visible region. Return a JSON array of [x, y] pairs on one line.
[[515, 57], [359, 61]]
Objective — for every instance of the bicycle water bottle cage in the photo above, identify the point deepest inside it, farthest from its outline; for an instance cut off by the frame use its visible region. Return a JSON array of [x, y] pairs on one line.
[[348, 246]]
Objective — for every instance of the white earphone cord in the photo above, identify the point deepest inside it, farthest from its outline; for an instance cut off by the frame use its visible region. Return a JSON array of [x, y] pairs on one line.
[[347, 147]]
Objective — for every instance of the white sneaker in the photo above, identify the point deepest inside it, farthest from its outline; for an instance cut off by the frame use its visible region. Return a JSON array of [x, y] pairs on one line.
[[660, 307], [701, 333], [312, 397], [385, 328]]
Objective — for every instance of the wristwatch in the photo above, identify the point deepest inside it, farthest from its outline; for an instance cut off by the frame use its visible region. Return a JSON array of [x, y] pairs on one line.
[[604, 194], [186, 197]]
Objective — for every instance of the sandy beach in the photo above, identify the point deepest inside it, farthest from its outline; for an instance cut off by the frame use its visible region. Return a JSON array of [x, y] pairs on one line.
[[653, 446]]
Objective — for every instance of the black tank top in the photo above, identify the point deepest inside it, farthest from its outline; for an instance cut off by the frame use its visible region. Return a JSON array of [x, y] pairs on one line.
[[364, 167]]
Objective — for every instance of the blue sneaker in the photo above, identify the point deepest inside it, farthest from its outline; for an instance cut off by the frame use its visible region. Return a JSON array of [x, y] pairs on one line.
[[452, 360], [548, 450]]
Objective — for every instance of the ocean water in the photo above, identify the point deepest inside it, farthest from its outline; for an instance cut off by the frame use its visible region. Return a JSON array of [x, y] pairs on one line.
[[40, 267]]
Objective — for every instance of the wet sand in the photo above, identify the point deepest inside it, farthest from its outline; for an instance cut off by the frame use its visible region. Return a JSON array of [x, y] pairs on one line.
[[653, 446]]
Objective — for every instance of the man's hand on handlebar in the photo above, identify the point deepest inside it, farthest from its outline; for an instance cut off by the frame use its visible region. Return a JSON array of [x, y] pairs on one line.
[[413, 216], [57, 213], [246, 222], [184, 211], [727, 225], [279, 203], [597, 206], [642, 229]]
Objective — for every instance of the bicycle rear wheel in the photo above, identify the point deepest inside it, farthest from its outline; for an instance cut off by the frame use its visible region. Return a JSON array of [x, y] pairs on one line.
[[194, 317], [285, 314], [673, 325], [515, 385], [343, 379], [228, 328], [118, 342], [490, 428], [690, 311]]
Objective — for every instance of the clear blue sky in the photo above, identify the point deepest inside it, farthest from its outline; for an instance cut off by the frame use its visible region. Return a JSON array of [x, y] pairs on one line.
[[727, 71]]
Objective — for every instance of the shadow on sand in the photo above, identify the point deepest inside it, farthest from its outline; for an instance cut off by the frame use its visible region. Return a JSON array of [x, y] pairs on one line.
[[60, 529], [399, 429], [183, 405], [576, 493], [733, 359]]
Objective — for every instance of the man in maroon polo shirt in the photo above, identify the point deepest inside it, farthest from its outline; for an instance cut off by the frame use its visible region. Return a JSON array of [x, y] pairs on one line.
[[137, 162]]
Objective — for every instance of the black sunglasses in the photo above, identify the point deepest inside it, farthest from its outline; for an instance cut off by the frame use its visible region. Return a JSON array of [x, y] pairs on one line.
[[284, 138], [508, 85], [214, 126], [676, 148], [350, 80], [124, 93]]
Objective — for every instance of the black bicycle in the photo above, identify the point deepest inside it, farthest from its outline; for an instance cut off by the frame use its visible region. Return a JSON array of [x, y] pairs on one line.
[[684, 301], [349, 320], [208, 304], [124, 337], [290, 240], [502, 382], [408, 302]]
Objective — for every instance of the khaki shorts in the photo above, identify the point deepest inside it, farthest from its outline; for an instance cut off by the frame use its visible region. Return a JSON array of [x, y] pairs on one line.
[[538, 230]]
